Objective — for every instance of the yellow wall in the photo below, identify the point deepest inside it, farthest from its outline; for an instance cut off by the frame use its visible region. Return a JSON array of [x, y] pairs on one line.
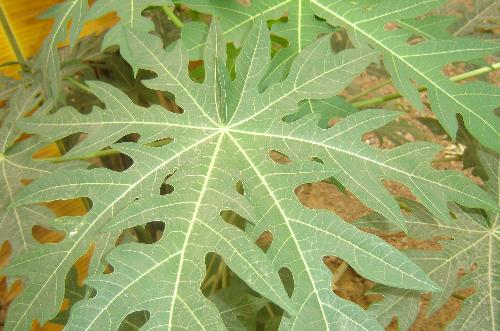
[[29, 32]]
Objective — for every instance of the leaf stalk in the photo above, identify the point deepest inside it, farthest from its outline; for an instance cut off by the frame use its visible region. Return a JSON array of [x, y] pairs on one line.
[[169, 11], [392, 96]]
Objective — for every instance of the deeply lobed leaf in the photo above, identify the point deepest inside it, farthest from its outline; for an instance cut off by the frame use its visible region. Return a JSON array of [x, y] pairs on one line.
[[48, 61], [475, 102], [130, 13], [17, 165], [221, 138], [472, 247]]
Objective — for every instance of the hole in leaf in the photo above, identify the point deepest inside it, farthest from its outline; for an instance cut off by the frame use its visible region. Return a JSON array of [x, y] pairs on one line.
[[166, 189], [317, 159], [167, 101], [5, 251], [82, 264], [74, 291], [109, 269], [287, 279], [414, 40], [398, 189], [239, 187], [118, 162], [46, 236], [150, 233], [69, 142], [135, 320], [323, 195], [156, 228], [46, 152], [391, 26], [217, 276], [246, 3], [265, 240], [233, 218], [346, 283], [92, 293], [278, 157], [196, 71], [70, 207], [161, 142], [340, 41]]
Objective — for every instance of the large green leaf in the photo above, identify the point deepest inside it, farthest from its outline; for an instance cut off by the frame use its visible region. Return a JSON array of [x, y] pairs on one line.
[[224, 136], [473, 240], [475, 102]]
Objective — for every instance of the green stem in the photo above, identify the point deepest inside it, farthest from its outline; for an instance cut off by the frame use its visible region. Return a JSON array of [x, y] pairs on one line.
[[78, 84], [466, 75], [477, 72], [170, 13], [369, 90]]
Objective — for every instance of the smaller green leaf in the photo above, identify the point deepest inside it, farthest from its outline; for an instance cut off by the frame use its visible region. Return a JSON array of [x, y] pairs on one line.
[[48, 61], [237, 306], [473, 241], [130, 13], [16, 165], [422, 63]]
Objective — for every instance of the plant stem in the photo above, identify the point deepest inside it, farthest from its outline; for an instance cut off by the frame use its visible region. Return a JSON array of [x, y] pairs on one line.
[[270, 310], [466, 75], [337, 275], [369, 90], [170, 13], [81, 86], [477, 72]]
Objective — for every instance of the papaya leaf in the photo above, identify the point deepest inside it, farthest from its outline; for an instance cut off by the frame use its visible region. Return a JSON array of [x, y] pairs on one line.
[[301, 28], [16, 163], [472, 241], [48, 60], [475, 102], [224, 136], [130, 13]]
